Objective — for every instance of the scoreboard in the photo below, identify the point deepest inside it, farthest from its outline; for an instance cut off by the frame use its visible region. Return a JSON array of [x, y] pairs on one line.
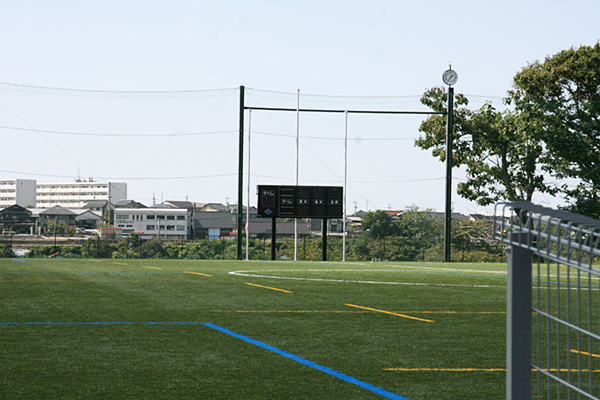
[[300, 201]]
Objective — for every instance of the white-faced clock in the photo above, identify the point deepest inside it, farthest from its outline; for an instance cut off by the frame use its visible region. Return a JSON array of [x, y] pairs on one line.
[[450, 77]]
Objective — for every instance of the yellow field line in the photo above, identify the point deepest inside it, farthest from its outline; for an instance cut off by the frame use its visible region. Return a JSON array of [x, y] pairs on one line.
[[452, 312], [446, 369], [584, 353], [476, 370], [196, 273], [290, 311], [355, 312], [267, 287], [151, 267], [95, 260], [389, 312], [114, 262]]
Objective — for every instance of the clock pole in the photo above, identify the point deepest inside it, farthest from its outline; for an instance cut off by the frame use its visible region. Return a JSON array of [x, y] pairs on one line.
[[450, 77], [448, 214]]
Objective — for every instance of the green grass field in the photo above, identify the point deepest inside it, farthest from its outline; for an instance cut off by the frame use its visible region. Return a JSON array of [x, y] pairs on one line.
[[135, 329]]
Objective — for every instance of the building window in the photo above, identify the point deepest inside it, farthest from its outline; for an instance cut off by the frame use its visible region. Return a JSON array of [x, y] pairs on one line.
[[160, 216], [150, 227], [121, 216], [180, 227], [170, 227], [171, 217], [150, 217], [181, 217]]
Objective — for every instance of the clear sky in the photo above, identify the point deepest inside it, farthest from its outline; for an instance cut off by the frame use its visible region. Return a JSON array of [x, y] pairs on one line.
[[176, 138]]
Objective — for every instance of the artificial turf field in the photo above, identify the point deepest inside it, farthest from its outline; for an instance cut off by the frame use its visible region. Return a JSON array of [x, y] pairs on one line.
[[192, 329]]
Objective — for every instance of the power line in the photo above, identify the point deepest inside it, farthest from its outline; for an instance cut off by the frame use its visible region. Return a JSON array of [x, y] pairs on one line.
[[125, 178], [115, 134], [15, 87], [45, 138], [190, 134]]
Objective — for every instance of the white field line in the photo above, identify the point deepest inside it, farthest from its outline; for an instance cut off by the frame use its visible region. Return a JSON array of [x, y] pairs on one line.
[[254, 275], [501, 272], [459, 270]]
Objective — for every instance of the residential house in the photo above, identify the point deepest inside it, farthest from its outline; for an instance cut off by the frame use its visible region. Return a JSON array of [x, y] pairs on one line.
[[17, 219], [58, 215], [212, 225]]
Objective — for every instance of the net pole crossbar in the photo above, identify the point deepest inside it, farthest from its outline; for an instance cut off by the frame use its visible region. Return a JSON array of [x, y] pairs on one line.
[[325, 110]]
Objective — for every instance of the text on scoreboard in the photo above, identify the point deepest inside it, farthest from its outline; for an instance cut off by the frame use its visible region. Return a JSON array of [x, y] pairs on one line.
[[300, 201]]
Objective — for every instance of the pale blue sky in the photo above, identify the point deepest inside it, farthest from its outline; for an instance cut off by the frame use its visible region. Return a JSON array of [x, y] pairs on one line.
[[335, 48]]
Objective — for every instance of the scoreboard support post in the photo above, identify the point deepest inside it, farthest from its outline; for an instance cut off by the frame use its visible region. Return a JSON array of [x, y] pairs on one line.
[[273, 238], [324, 234]]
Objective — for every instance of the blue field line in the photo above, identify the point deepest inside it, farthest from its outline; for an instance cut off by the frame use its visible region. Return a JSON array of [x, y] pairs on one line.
[[102, 323], [16, 259], [339, 375], [92, 272]]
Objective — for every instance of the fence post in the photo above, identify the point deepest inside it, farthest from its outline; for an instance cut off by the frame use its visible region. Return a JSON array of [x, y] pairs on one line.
[[518, 319]]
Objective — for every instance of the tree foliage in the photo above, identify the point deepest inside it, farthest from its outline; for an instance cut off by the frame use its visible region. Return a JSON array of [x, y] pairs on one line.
[[378, 224], [547, 142], [562, 95], [500, 150]]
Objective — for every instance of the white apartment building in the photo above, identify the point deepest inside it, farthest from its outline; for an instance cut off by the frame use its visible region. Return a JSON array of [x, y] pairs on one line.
[[160, 223], [17, 191], [76, 194]]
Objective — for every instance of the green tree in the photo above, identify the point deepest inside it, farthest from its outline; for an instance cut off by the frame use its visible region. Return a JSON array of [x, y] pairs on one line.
[[108, 219], [473, 241], [420, 231], [561, 95], [501, 150], [378, 224]]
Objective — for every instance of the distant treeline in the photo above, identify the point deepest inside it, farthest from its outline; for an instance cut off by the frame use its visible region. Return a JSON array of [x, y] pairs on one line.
[[362, 248]]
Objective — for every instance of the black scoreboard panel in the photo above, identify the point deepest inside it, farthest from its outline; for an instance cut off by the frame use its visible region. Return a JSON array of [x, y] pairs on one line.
[[300, 201]]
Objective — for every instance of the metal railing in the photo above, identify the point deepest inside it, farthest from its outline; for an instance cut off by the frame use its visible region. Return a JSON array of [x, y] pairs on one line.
[[553, 302]]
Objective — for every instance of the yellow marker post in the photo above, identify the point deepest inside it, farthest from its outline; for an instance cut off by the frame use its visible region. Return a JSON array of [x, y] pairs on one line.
[[389, 312]]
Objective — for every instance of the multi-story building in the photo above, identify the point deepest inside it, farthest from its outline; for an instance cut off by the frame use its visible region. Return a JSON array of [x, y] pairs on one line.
[[160, 223], [76, 194], [17, 191]]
